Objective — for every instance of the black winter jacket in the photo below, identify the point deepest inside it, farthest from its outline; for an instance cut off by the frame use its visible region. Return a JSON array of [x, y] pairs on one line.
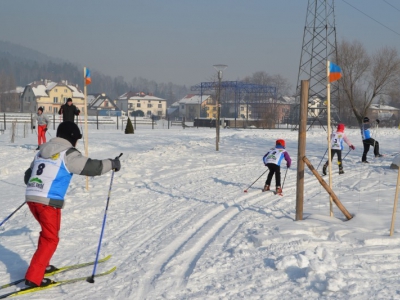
[[68, 112]]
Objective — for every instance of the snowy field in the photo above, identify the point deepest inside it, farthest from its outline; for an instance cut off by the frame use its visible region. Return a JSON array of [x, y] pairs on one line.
[[179, 225]]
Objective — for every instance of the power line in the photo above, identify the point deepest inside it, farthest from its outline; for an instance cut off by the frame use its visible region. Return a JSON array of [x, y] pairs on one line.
[[391, 5], [371, 18]]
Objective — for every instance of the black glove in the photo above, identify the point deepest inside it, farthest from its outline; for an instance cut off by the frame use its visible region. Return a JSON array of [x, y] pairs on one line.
[[78, 112], [45, 129], [377, 121], [115, 164], [33, 127]]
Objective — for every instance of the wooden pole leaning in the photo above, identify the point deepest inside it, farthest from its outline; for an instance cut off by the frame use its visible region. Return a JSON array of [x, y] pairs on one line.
[[331, 193], [396, 198]]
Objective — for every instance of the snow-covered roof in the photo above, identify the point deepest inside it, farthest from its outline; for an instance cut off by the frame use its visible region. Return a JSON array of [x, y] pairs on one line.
[[193, 99], [41, 88], [139, 96], [383, 107]]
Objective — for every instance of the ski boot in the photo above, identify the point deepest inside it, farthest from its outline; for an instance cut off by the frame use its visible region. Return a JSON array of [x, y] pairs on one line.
[[50, 269], [45, 282], [341, 171], [278, 191], [324, 169], [266, 188]]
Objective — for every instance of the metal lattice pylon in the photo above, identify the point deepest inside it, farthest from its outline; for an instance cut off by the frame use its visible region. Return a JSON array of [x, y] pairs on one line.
[[319, 46]]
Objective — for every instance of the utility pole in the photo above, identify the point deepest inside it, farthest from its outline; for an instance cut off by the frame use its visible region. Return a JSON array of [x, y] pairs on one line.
[[219, 69]]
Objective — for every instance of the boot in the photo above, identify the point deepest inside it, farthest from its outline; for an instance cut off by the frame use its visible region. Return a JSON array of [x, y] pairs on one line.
[[266, 188], [279, 191], [341, 171], [45, 282], [324, 169], [50, 269]]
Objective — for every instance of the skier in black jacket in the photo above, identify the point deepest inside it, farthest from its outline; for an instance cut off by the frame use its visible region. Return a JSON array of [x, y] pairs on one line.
[[69, 111]]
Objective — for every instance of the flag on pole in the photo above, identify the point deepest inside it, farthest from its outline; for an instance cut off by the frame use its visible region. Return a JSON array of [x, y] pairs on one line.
[[88, 79], [334, 72]]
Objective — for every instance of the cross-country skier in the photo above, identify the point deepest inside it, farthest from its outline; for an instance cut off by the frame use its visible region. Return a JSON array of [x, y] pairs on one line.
[[42, 122], [368, 140], [47, 181], [69, 111], [337, 139], [273, 160]]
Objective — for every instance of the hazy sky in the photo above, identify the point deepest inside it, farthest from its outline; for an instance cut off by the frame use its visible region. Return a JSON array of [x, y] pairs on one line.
[[179, 41]]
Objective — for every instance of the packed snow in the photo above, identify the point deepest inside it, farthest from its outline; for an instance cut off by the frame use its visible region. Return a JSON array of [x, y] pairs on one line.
[[179, 225]]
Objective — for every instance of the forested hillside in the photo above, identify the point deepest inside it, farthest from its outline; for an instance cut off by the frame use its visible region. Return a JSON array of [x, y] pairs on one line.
[[23, 65]]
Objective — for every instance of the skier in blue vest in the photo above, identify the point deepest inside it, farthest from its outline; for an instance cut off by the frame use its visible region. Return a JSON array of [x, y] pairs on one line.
[[273, 160], [368, 140], [47, 181]]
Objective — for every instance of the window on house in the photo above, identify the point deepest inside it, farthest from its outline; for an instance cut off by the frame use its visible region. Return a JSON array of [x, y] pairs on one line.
[[159, 105], [65, 90], [182, 106], [149, 112], [65, 99], [55, 99], [159, 113], [148, 105], [55, 110], [56, 90], [242, 108], [138, 105]]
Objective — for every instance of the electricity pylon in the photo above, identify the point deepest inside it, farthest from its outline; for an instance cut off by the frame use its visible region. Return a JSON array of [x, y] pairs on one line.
[[319, 46]]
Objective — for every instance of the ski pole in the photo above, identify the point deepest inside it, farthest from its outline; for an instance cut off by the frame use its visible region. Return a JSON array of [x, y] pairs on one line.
[[91, 278], [346, 154], [255, 181], [12, 214], [322, 158], [284, 178]]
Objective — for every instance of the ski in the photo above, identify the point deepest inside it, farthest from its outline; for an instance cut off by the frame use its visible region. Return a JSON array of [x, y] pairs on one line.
[[28, 290], [274, 192], [60, 270]]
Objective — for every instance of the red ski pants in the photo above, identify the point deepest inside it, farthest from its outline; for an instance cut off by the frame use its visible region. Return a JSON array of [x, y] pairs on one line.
[[49, 219], [41, 134]]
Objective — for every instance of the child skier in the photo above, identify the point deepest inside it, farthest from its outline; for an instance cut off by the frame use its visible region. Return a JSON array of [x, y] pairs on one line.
[[47, 182], [368, 140], [273, 160], [337, 139], [42, 122]]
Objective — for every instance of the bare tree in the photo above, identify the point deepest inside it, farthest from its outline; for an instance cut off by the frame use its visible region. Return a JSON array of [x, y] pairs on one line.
[[366, 78], [282, 84]]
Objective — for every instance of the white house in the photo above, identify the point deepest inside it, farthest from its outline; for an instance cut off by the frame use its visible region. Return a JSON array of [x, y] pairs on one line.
[[191, 105], [142, 104]]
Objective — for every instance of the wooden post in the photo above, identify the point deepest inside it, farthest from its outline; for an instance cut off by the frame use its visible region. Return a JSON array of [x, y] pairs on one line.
[[86, 123], [328, 105], [328, 189], [396, 197], [301, 149]]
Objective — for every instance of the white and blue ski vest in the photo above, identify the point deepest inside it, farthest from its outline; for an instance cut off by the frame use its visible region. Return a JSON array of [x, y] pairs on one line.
[[337, 140], [274, 156], [50, 179]]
